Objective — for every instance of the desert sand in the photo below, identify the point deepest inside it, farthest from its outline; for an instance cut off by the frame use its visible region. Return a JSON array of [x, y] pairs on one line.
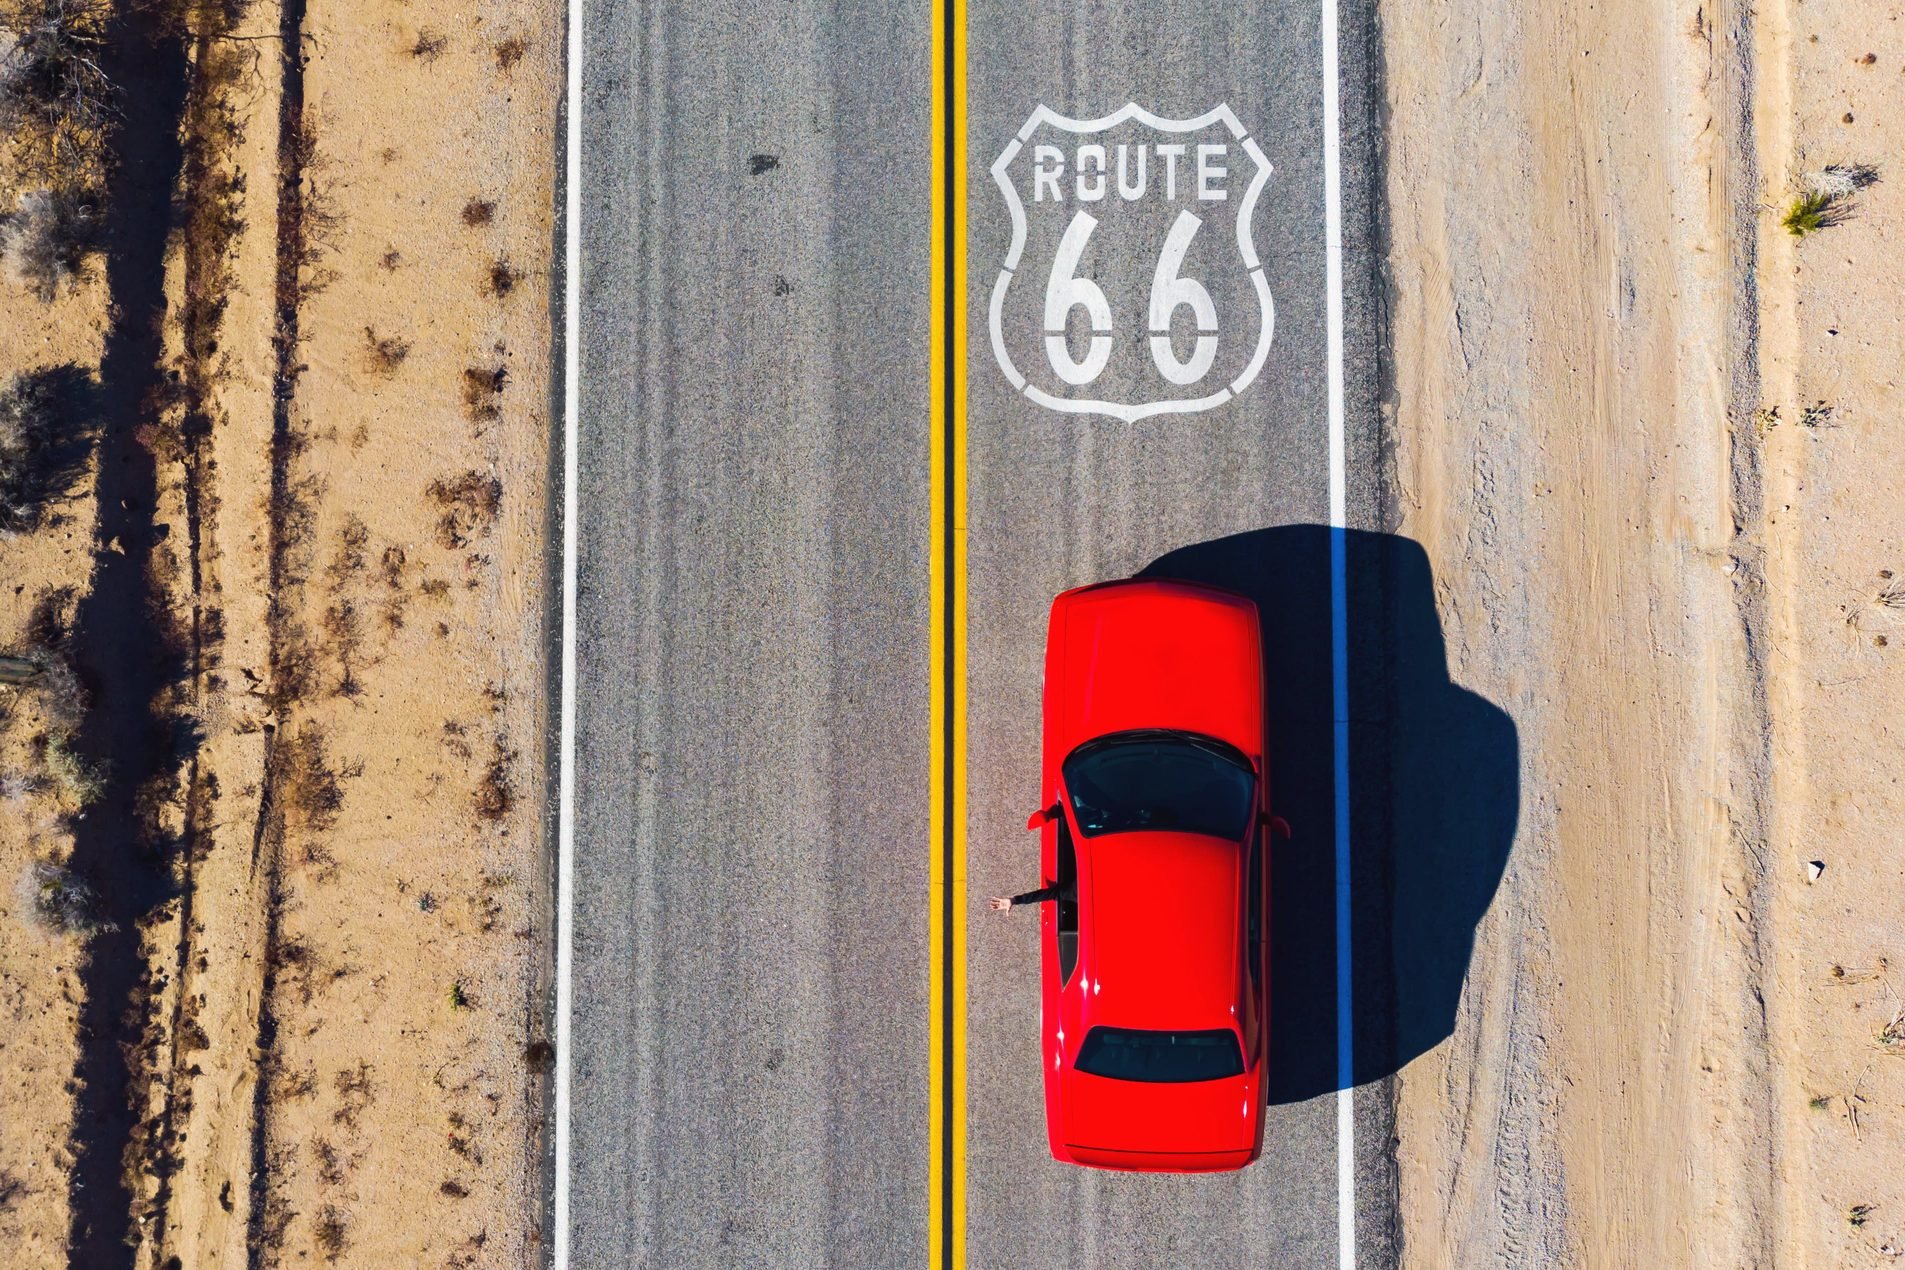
[[313, 1023], [1659, 556]]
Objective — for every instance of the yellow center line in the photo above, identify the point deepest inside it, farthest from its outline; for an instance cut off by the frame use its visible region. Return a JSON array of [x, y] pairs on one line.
[[946, 1062]]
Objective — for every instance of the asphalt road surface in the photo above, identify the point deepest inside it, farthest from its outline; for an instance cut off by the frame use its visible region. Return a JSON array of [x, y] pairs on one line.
[[751, 1029]]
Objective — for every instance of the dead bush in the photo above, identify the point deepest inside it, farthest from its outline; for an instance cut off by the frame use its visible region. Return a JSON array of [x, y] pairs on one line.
[[502, 278], [311, 788], [495, 795], [58, 901], [429, 45], [330, 1232], [482, 392], [56, 104], [478, 212], [509, 52], [350, 557], [54, 693], [45, 240], [384, 353], [79, 781], [45, 428], [469, 504]]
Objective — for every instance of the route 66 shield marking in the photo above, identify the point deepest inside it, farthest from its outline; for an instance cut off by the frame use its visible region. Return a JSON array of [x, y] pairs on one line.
[[1135, 303]]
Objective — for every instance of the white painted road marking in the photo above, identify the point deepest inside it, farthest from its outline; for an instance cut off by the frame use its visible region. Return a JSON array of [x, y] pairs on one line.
[[1339, 650], [1085, 175], [565, 781]]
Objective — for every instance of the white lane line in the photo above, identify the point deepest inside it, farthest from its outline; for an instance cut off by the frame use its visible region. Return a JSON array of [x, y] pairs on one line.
[[1339, 651], [565, 781]]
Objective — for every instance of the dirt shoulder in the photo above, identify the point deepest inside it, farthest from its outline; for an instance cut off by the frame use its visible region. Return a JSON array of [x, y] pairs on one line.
[[274, 939], [1646, 551]]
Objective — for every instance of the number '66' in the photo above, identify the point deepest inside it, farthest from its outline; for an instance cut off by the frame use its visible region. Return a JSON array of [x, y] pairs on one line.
[[1065, 291]]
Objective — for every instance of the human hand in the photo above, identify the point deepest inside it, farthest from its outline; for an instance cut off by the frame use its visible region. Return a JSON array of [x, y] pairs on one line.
[[1000, 903]]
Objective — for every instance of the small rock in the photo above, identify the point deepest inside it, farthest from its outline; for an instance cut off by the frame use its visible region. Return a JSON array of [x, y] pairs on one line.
[[1813, 869]]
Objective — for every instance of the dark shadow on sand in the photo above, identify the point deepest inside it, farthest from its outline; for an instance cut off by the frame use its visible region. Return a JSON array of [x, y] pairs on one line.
[[1434, 797]]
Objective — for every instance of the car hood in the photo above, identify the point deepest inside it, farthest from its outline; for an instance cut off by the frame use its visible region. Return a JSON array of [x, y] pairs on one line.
[[1154, 654]]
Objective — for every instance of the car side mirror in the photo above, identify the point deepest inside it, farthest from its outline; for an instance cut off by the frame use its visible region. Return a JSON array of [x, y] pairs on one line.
[[1043, 817], [1278, 827]]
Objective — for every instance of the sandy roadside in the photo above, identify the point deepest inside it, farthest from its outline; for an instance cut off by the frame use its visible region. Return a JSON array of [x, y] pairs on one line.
[[1833, 94], [306, 617], [40, 984], [1593, 321]]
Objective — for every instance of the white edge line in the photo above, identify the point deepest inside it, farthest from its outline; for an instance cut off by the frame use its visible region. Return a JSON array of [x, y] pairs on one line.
[[565, 782], [1339, 650]]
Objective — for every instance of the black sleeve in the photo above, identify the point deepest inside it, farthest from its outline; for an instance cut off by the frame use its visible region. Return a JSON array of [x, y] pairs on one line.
[[1036, 897]]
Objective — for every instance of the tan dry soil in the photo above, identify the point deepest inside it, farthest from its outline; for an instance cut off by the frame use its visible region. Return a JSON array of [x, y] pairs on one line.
[[363, 917], [403, 1123], [1595, 312], [40, 985]]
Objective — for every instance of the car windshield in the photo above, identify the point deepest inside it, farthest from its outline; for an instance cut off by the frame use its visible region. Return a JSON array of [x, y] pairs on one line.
[[1160, 780], [1122, 1053]]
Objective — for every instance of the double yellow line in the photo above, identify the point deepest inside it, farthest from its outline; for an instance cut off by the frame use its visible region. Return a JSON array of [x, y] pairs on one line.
[[946, 1064]]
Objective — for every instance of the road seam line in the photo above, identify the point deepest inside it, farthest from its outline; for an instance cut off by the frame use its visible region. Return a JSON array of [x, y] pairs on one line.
[[565, 781], [1339, 649]]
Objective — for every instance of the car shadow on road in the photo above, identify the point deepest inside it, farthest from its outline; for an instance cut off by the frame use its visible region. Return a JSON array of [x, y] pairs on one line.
[[1433, 793]]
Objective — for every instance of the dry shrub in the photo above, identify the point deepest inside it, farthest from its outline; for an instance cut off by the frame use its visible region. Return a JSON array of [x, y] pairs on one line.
[[58, 901], [56, 104], [502, 278], [478, 212], [482, 390], [429, 45], [509, 52], [384, 353], [469, 504], [330, 1231], [45, 429], [495, 795], [55, 694], [79, 781], [44, 242], [311, 788]]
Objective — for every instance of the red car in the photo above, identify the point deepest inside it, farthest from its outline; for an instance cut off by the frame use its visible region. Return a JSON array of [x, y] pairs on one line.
[[1153, 957]]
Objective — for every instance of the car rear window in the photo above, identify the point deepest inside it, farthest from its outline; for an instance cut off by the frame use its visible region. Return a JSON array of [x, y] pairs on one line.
[[1123, 1053]]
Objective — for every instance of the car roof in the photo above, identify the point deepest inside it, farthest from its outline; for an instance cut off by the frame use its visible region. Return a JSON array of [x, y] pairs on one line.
[[1160, 930]]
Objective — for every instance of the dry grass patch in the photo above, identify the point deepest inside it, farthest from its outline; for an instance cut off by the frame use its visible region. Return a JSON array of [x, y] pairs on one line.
[[483, 392], [502, 278], [509, 52], [469, 506], [384, 353], [428, 46]]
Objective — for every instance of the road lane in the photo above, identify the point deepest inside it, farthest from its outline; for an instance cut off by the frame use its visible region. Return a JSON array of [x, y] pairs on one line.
[[1060, 499], [753, 941], [750, 980]]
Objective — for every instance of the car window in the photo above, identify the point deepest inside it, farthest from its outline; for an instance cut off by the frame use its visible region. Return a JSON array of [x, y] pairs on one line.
[[1159, 780], [1256, 906], [1122, 1053], [1067, 903]]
